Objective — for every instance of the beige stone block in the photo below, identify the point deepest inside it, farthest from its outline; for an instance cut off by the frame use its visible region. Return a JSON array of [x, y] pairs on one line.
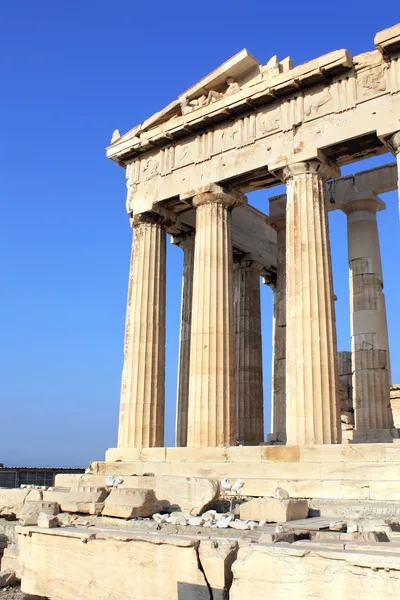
[[259, 487], [30, 512], [385, 490], [153, 454], [12, 500], [128, 503], [10, 562], [388, 40], [125, 454], [245, 454], [47, 521], [364, 471], [345, 490], [190, 494], [216, 558], [281, 453], [134, 468], [85, 500], [57, 494], [392, 453], [273, 510], [202, 454], [118, 566], [308, 572]]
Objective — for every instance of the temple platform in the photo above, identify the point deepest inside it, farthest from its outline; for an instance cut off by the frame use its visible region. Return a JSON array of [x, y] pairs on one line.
[[345, 472]]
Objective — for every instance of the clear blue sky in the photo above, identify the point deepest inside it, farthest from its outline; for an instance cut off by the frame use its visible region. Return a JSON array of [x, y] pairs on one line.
[[72, 72]]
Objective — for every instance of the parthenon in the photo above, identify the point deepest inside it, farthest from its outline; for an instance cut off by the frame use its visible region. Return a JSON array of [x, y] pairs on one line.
[[312, 509], [244, 127]]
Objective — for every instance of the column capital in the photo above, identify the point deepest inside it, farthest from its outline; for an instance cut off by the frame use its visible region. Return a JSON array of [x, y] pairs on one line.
[[370, 203], [247, 262], [316, 167], [146, 217], [184, 240], [220, 195], [394, 142], [314, 162]]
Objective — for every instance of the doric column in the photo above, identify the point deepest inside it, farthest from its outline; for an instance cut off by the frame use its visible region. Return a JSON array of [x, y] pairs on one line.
[[186, 242], [278, 403], [312, 415], [212, 391], [369, 333], [141, 419], [248, 370]]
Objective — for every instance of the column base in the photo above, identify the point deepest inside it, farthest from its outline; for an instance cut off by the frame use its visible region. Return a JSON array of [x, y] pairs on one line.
[[373, 436], [276, 438]]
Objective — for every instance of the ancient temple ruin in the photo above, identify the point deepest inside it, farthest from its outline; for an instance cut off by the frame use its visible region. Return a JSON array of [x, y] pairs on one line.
[[246, 127]]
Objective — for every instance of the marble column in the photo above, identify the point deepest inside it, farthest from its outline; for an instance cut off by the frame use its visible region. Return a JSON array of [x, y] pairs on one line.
[[186, 242], [369, 333], [395, 144], [312, 412], [248, 370], [141, 419], [278, 392], [212, 390]]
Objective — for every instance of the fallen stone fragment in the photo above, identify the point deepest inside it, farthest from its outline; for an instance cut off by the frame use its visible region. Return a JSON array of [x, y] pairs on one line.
[[196, 521], [361, 536], [30, 512], [12, 500], [7, 578], [130, 503], [223, 523], [274, 538], [274, 510], [281, 494], [189, 494], [239, 524], [158, 518], [47, 521], [177, 518], [10, 561], [85, 499]]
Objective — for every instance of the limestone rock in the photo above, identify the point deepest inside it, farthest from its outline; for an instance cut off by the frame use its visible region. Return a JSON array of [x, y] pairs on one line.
[[129, 504], [10, 561], [274, 510], [115, 565], [238, 524], [12, 500], [216, 559], [85, 500], [47, 521], [30, 512], [177, 518], [7, 578], [190, 494], [305, 572]]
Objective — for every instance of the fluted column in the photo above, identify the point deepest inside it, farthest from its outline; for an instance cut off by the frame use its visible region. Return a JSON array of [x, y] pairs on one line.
[[249, 384], [395, 144], [369, 333], [141, 419], [186, 242], [212, 390], [312, 414], [278, 404]]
